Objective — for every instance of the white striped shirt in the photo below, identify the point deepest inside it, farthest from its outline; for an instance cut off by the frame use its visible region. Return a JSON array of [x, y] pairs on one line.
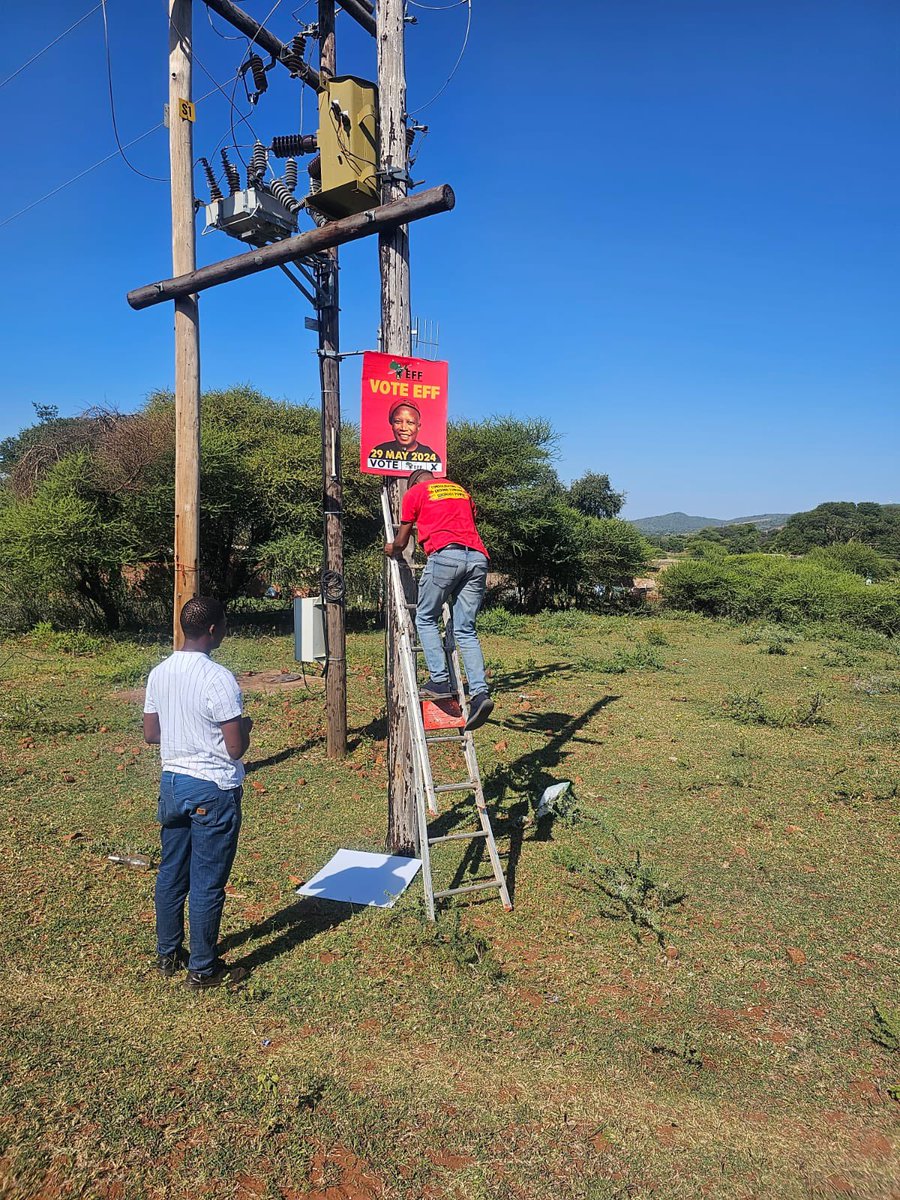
[[192, 696]]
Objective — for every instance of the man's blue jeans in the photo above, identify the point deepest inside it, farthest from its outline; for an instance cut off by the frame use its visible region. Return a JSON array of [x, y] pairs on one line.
[[457, 578], [200, 826]]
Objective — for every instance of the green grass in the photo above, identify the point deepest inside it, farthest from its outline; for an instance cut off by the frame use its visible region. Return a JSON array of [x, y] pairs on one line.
[[695, 994]]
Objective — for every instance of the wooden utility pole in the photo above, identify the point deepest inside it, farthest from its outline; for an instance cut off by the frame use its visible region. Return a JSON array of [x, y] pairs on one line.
[[187, 314], [393, 254], [328, 314]]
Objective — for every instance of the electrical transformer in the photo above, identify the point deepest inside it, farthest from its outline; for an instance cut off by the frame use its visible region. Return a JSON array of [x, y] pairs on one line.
[[348, 147]]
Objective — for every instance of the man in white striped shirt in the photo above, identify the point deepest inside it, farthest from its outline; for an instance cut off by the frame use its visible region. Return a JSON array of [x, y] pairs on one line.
[[194, 711]]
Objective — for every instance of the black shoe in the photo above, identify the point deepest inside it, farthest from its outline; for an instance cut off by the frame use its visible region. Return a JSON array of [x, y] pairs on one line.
[[221, 974], [480, 708], [435, 691], [170, 964]]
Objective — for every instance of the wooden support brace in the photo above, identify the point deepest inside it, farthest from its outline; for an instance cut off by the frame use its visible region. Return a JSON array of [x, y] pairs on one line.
[[335, 233]]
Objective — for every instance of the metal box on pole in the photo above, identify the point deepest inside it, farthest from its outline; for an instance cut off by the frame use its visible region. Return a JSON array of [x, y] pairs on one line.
[[309, 629], [348, 147]]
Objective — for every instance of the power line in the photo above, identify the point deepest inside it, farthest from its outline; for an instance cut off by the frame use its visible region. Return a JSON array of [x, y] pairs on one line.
[[230, 99], [112, 107], [226, 37], [81, 174], [234, 110], [446, 82], [49, 46], [437, 7]]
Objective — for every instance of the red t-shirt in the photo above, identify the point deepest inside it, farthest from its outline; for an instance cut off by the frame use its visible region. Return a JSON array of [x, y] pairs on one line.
[[442, 512]]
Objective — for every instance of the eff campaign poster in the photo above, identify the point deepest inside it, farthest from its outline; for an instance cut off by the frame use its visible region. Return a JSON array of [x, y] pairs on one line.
[[404, 415]]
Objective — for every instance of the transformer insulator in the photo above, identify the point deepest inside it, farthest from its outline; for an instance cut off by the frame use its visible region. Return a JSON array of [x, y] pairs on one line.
[[258, 163], [231, 173], [215, 192], [258, 71], [293, 57], [315, 186], [290, 174], [410, 138], [293, 143], [281, 193], [298, 45]]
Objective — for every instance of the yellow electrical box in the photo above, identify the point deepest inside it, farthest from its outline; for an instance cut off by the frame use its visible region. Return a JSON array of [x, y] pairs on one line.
[[348, 147]]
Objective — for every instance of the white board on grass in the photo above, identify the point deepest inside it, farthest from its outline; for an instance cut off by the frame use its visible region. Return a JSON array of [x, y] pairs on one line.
[[357, 877]]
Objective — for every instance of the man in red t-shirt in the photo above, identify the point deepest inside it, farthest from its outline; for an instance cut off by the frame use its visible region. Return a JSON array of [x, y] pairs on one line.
[[455, 574]]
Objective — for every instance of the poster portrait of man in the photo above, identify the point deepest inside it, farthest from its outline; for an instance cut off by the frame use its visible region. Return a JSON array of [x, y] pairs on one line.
[[405, 449]]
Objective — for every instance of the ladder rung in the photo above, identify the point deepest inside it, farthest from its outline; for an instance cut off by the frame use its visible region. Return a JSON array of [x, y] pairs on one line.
[[457, 837], [446, 737], [465, 786], [470, 887]]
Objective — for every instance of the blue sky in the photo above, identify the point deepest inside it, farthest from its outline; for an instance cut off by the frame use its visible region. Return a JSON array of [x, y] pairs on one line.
[[677, 233]]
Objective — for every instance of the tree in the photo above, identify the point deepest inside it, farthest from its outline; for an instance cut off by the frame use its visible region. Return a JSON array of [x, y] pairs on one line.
[[87, 509], [613, 552], [63, 549], [724, 539], [593, 495], [854, 557], [876, 525]]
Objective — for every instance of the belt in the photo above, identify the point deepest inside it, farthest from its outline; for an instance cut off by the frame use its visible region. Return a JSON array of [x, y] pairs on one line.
[[452, 546]]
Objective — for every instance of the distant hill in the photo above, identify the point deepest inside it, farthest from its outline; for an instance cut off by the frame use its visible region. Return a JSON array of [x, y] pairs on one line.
[[679, 522]]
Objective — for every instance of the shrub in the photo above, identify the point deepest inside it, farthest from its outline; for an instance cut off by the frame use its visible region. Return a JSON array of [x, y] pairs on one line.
[[501, 621], [855, 557], [749, 708], [770, 587]]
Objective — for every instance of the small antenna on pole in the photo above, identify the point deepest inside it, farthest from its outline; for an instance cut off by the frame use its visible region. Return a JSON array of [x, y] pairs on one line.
[[425, 338]]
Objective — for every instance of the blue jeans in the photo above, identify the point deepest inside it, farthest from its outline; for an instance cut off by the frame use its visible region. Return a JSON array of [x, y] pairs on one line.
[[457, 578], [200, 825]]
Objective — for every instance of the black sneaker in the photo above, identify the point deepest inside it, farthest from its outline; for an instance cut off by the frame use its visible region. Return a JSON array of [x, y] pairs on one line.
[[170, 964], [480, 708], [221, 974], [435, 691]]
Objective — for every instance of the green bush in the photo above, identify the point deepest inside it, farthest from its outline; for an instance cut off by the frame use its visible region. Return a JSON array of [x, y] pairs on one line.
[[789, 591], [749, 708], [854, 557], [501, 621]]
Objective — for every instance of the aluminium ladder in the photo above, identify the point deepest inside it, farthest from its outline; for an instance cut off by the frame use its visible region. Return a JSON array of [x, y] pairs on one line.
[[427, 791]]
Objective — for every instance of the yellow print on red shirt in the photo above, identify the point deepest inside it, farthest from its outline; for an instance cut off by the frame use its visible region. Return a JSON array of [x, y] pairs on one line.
[[446, 491]]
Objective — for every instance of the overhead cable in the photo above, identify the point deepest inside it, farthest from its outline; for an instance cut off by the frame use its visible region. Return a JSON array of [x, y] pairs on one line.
[[112, 108], [49, 46], [87, 170], [446, 82], [226, 37], [221, 88], [437, 7]]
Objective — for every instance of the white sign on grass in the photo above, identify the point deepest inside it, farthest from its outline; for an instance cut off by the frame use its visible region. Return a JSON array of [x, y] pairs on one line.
[[357, 877]]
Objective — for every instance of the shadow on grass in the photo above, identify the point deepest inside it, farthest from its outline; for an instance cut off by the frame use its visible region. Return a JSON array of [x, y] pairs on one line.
[[510, 681], [293, 925], [375, 730], [284, 755], [526, 778]]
